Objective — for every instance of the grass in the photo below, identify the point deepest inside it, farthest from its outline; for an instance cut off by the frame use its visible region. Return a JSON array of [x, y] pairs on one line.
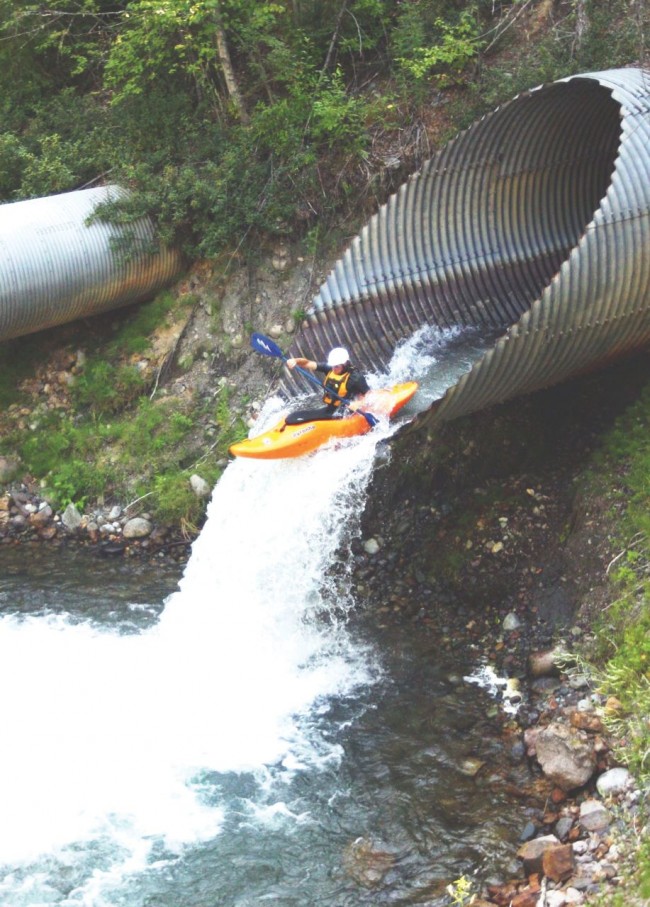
[[620, 475], [115, 438]]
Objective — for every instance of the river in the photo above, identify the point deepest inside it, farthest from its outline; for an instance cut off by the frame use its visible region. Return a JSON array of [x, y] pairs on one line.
[[234, 736]]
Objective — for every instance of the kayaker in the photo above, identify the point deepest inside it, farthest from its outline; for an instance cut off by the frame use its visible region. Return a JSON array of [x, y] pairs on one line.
[[341, 377]]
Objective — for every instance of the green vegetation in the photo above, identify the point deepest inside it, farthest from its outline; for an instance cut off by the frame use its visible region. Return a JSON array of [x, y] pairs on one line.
[[116, 437], [623, 653], [620, 477], [236, 119]]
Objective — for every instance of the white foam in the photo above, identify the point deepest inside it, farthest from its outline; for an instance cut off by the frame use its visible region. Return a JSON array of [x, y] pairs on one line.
[[108, 740]]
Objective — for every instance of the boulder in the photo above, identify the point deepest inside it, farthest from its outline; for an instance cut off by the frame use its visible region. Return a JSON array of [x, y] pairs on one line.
[[558, 863], [566, 755], [137, 528], [71, 518]]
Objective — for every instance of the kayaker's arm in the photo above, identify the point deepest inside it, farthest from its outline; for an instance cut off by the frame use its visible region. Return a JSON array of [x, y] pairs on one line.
[[303, 363]]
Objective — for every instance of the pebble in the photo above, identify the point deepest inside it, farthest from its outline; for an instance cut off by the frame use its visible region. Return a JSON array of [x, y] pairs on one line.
[[26, 516]]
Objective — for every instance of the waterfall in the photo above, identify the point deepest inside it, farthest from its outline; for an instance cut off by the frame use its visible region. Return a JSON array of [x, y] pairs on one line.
[[114, 743]]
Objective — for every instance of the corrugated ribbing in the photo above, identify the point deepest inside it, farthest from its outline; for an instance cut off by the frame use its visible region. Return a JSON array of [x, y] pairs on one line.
[[54, 267], [534, 223]]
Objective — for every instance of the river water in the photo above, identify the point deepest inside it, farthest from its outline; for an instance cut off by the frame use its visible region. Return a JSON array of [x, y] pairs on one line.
[[234, 736]]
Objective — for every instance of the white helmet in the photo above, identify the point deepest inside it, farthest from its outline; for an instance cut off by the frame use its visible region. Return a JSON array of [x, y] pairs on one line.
[[338, 356]]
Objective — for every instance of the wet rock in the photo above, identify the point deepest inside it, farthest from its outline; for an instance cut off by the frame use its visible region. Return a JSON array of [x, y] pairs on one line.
[[565, 755], [365, 863], [371, 546]]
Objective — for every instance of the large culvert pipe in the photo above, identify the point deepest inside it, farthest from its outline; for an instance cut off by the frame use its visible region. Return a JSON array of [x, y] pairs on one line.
[[534, 223], [56, 266]]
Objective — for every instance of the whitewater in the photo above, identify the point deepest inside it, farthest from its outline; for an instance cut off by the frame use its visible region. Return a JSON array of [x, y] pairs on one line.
[[116, 744]]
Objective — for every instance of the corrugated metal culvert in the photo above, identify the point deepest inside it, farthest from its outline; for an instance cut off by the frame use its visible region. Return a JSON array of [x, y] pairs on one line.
[[55, 266], [534, 223]]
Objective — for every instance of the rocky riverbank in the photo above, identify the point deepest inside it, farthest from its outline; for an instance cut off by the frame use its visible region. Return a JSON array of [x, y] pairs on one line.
[[485, 539], [26, 516]]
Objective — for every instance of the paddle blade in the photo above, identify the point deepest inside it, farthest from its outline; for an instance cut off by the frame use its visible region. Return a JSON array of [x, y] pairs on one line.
[[266, 346], [370, 419]]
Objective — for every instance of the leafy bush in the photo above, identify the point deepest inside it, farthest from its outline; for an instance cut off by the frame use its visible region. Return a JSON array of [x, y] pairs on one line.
[[446, 55]]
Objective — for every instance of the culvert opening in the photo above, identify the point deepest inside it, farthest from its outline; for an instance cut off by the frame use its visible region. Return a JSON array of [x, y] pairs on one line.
[[474, 237]]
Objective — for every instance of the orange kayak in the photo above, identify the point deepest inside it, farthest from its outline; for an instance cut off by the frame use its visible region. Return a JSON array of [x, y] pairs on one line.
[[283, 441]]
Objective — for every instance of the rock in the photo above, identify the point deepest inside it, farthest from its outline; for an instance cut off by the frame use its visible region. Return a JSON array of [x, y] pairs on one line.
[[200, 487], [47, 532], [565, 755], [558, 863], [532, 852], [578, 681], [612, 782], [555, 899], [366, 864], [563, 826], [613, 706], [42, 516], [543, 664], [528, 897], [471, 766], [137, 528], [71, 518], [511, 622], [586, 721], [371, 546], [594, 816], [528, 832]]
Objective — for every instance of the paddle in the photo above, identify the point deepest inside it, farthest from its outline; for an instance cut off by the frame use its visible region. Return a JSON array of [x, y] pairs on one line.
[[267, 347]]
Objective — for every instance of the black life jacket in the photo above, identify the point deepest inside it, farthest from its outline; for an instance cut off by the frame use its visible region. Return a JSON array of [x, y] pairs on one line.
[[338, 384]]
